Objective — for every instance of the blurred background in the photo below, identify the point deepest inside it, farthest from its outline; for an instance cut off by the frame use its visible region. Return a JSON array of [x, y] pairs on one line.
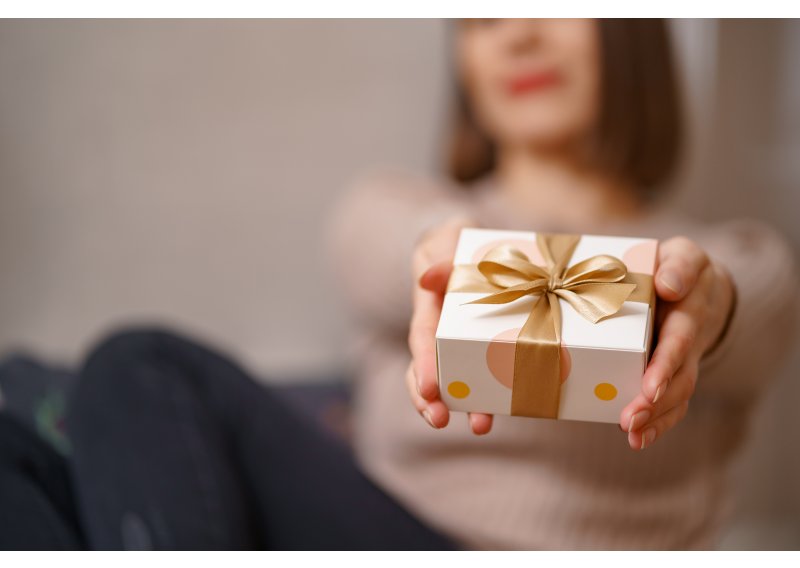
[[153, 171]]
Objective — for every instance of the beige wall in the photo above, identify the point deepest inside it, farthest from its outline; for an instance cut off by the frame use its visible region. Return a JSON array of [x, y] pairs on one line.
[[159, 171]]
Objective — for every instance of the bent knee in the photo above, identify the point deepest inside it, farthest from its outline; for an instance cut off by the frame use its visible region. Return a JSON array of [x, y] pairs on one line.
[[124, 362], [130, 341]]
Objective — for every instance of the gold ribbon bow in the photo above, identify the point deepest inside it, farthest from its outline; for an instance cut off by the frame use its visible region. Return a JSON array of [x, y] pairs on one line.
[[596, 288]]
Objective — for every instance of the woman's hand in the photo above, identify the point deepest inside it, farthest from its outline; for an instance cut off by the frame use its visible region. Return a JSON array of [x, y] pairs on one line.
[[431, 266], [696, 297]]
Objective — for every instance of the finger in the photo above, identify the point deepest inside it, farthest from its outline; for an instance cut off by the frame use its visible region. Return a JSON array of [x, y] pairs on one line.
[[422, 331], [680, 263], [677, 338], [422, 343], [436, 277], [641, 412], [639, 440], [434, 412], [480, 423], [681, 389], [411, 384]]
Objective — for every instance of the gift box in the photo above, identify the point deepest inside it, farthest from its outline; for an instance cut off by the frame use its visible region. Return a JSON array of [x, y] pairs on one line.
[[546, 325]]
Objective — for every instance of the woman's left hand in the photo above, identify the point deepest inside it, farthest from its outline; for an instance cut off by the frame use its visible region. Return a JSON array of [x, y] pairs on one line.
[[695, 298]]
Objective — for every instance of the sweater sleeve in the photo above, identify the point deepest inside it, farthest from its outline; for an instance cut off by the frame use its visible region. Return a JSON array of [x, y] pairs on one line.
[[371, 237], [765, 321]]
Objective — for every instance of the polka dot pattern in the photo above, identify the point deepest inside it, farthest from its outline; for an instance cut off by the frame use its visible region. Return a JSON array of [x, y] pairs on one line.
[[458, 389], [605, 391], [641, 258]]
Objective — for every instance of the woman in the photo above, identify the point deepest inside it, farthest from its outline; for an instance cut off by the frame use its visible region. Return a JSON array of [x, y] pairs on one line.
[[174, 446], [563, 126]]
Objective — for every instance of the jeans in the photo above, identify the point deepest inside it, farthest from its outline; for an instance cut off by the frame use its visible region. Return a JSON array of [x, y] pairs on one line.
[[176, 447]]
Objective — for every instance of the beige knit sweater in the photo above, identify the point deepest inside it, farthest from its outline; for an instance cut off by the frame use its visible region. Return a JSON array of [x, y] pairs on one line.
[[537, 483]]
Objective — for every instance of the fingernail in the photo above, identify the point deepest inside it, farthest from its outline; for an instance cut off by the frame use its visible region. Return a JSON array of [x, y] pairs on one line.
[[648, 437], [658, 393], [427, 416], [672, 281], [640, 417]]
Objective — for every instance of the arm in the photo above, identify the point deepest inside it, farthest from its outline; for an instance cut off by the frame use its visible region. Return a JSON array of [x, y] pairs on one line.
[[764, 322], [371, 238]]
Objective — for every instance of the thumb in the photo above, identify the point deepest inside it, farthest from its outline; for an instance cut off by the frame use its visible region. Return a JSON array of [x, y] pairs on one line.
[[436, 277], [680, 263]]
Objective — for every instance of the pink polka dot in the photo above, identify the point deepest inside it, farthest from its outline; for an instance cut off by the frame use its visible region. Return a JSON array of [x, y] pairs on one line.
[[641, 257], [500, 358], [530, 249]]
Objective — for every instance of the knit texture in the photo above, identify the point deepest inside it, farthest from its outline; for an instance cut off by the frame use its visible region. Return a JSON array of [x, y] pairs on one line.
[[537, 483]]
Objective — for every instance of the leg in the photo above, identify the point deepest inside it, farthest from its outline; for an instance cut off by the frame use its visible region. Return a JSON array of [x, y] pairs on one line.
[[152, 467], [37, 511], [181, 439]]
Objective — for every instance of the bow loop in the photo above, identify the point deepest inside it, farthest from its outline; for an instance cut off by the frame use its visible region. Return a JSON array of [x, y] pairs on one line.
[[507, 266], [510, 270], [600, 268], [596, 300]]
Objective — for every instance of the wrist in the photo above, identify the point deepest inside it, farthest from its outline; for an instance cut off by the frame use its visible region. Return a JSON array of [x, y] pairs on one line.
[[728, 298]]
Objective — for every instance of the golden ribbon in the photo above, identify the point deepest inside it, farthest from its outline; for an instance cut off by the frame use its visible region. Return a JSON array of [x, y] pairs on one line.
[[596, 288]]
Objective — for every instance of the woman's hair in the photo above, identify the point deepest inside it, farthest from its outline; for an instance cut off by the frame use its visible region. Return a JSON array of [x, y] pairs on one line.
[[637, 136]]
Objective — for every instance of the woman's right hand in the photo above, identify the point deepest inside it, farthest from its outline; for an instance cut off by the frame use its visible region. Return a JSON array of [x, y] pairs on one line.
[[432, 264]]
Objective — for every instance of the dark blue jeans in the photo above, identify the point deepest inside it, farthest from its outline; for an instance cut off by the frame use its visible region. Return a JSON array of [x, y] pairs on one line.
[[176, 447]]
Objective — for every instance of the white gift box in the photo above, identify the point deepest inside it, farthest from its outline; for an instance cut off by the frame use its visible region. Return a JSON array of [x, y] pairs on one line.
[[601, 363]]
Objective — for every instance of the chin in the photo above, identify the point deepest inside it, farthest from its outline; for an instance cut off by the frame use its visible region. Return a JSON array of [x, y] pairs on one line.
[[544, 134]]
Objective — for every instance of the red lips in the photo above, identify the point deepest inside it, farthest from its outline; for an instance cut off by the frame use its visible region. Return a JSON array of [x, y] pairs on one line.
[[530, 82]]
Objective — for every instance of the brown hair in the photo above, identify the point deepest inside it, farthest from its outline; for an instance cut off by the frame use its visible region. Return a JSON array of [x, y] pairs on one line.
[[639, 130]]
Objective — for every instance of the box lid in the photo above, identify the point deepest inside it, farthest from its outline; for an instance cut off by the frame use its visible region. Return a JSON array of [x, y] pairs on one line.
[[627, 329]]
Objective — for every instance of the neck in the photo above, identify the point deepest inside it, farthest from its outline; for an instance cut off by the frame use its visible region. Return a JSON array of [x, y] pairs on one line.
[[556, 188]]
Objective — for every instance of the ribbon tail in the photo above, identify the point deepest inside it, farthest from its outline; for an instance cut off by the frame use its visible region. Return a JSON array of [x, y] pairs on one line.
[[511, 294], [536, 389]]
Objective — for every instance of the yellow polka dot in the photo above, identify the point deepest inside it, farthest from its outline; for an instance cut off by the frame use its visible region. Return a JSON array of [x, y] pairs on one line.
[[605, 391], [457, 389]]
